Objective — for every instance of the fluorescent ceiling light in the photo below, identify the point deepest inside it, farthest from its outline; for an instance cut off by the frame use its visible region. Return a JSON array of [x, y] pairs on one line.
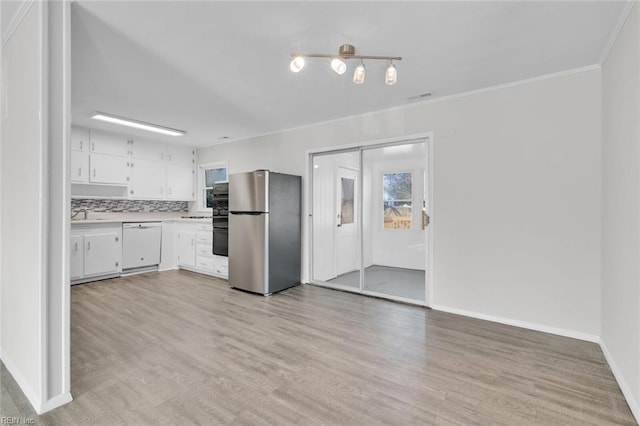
[[137, 124]]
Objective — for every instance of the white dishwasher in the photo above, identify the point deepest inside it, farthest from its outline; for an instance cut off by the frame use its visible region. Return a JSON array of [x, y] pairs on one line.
[[141, 244]]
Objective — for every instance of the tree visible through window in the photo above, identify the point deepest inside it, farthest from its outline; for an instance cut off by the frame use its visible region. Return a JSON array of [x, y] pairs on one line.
[[396, 198]]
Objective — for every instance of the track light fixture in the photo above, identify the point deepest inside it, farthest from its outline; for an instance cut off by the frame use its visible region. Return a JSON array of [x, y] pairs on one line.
[[359, 73], [347, 51], [391, 75]]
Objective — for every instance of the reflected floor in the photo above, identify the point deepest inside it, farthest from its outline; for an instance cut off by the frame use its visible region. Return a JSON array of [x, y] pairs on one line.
[[400, 282]]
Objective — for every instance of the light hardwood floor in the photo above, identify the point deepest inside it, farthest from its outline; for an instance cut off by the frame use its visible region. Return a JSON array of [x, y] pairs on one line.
[[180, 348]]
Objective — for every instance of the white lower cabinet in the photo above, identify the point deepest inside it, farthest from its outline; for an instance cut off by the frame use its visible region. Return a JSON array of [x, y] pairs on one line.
[[95, 252], [76, 257], [195, 243], [186, 248]]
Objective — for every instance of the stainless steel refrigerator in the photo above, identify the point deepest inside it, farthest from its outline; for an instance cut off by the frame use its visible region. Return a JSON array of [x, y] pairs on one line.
[[264, 231]]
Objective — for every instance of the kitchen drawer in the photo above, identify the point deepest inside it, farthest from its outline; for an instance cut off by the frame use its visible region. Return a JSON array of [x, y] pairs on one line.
[[204, 250], [221, 265], [205, 263], [205, 227], [205, 238]]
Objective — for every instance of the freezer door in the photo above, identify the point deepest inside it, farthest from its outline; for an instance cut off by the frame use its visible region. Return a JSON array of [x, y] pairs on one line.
[[248, 254], [249, 192]]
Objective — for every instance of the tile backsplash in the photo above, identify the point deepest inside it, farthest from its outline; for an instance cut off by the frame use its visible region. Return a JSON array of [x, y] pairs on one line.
[[127, 206]]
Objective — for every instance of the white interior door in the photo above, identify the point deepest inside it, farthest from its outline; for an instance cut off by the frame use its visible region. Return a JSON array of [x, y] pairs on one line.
[[346, 253]]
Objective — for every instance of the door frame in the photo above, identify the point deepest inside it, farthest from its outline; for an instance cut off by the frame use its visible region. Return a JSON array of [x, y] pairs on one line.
[[308, 210]]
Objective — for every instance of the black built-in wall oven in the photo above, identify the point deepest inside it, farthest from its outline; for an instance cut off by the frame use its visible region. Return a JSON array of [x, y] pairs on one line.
[[220, 207]]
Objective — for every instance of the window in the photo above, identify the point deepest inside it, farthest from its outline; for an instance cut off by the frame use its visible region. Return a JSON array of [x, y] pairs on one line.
[[208, 174], [396, 199]]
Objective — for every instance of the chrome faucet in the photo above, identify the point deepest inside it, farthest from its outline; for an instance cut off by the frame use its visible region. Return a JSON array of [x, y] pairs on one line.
[[84, 212]]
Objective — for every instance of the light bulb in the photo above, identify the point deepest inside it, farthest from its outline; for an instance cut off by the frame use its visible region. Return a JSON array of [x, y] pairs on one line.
[[338, 66], [391, 75], [358, 74], [297, 64]]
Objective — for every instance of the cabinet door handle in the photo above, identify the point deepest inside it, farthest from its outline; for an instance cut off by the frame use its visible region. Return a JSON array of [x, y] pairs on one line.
[[75, 248], [94, 172], [193, 242], [93, 146], [79, 171], [80, 145], [88, 245]]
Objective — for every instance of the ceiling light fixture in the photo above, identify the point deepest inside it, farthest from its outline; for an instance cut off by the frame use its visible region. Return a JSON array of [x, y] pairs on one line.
[[391, 75], [347, 51], [297, 64], [109, 118], [338, 66], [359, 74]]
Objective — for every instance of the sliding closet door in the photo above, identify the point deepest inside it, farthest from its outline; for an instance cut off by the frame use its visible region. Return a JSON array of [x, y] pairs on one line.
[[335, 220], [394, 209]]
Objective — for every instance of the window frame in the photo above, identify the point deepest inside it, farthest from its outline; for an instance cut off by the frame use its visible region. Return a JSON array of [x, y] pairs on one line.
[[202, 188]]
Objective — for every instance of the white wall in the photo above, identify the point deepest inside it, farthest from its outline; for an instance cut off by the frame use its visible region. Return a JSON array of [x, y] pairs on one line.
[[22, 341], [621, 209], [34, 290], [517, 195]]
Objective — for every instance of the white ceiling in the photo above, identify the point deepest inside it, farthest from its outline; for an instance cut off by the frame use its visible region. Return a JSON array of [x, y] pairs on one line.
[[220, 69]]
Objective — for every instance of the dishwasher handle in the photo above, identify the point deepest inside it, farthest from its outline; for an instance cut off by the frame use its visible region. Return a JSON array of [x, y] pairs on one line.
[[141, 225]]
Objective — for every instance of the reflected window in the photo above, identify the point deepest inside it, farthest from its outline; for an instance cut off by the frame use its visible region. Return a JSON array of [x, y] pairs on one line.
[[346, 207], [396, 200]]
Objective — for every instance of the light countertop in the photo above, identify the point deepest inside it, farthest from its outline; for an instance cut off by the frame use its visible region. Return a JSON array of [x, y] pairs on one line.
[[99, 218]]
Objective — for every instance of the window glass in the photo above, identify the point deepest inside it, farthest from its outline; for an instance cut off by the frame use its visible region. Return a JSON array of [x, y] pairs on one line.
[[346, 208], [212, 176], [208, 175], [396, 196]]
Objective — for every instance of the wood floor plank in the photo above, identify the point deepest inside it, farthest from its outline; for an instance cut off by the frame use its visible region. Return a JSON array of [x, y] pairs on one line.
[[182, 348]]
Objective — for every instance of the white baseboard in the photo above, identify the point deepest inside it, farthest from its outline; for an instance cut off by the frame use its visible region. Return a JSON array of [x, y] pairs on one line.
[[28, 391], [624, 387], [55, 402], [523, 324]]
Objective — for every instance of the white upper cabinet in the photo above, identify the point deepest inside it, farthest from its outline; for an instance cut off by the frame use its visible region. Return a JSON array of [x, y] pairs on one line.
[[79, 172], [149, 170], [147, 179], [79, 167], [181, 156], [109, 169], [180, 183], [109, 143], [79, 139], [181, 166], [148, 150]]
